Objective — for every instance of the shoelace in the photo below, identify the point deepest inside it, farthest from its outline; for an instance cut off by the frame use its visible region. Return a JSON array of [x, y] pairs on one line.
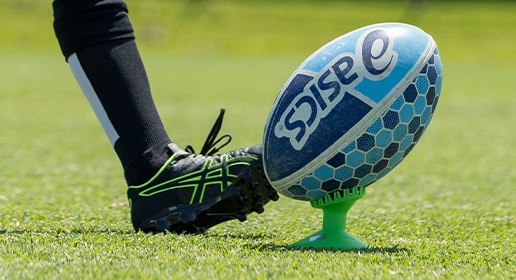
[[210, 145]]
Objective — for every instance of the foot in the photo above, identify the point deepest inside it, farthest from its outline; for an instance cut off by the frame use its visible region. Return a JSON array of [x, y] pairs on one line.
[[192, 193]]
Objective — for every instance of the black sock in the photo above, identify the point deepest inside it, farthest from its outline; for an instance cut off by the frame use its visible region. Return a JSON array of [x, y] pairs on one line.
[[97, 40]]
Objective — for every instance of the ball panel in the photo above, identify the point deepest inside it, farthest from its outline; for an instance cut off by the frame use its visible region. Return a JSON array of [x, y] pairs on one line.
[[282, 156], [335, 89], [359, 168]]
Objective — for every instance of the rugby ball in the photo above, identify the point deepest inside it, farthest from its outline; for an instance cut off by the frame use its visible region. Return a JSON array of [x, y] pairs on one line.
[[352, 111]]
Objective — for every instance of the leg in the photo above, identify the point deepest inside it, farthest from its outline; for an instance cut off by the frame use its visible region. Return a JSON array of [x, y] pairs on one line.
[[169, 188], [97, 40]]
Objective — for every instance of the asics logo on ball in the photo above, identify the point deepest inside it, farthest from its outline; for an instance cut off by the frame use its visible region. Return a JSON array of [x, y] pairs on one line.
[[315, 99]]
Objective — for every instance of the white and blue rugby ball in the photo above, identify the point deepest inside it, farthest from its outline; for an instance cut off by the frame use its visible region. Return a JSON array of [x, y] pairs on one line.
[[352, 111]]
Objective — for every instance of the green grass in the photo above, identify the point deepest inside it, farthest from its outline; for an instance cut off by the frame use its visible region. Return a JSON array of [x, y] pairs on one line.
[[446, 212]]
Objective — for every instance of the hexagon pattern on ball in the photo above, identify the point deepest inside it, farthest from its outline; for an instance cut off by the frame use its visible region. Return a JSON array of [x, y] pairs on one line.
[[385, 142]]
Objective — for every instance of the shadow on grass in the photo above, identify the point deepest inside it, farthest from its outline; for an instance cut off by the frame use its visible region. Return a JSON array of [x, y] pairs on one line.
[[275, 247], [246, 236], [76, 231], [370, 250]]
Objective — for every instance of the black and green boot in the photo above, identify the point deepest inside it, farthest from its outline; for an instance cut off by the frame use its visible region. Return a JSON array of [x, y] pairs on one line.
[[193, 192]]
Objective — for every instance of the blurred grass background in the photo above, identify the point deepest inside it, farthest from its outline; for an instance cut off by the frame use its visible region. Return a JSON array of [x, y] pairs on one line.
[[446, 211], [463, 29]]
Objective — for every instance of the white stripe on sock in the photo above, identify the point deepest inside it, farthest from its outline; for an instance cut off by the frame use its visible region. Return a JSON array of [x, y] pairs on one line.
[[91, 95]]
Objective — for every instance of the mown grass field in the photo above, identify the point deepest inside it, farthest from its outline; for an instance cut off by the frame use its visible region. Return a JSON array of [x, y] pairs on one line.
[[447, 212]]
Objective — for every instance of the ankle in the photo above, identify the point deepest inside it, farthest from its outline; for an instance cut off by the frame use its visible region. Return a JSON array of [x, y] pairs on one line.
[[143, 168]]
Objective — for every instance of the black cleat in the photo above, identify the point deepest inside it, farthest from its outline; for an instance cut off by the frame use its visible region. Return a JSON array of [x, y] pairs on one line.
[[192, 192]]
